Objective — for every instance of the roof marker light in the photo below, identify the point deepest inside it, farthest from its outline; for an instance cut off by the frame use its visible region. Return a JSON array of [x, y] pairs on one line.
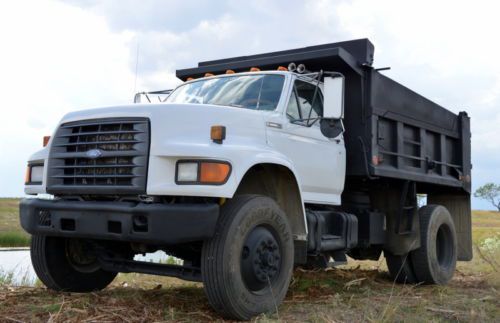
[[282, 68], [209, 74], [46, 140], [254, 69], [230, 72]]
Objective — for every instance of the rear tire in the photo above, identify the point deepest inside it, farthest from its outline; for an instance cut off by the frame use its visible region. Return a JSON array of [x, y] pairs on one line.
[[400, 268], [252, 249], [435, 261], [66, 265]]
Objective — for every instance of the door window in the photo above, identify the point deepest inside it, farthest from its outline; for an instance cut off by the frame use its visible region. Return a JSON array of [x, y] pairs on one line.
[[292, 111], [304, 104]]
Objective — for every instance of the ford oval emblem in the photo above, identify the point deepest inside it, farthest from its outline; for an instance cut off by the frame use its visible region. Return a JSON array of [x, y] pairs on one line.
[[93, 153]]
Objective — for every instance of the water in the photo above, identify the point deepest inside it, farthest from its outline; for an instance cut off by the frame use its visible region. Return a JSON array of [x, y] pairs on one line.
[[17, 264]]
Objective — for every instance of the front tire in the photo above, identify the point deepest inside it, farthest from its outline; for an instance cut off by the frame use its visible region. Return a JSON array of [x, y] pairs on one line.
[[67, 265], [247, 265]]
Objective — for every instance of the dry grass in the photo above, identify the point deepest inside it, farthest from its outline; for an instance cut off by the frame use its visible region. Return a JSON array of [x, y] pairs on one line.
[[343, 295]]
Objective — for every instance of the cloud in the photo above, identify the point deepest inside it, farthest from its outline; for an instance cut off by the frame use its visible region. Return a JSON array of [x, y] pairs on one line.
[[153, 15], [56, 58], [80, 53]]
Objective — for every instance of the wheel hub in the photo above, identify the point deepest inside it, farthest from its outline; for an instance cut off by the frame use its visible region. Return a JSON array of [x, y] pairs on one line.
[[260, 259], [80, 257]]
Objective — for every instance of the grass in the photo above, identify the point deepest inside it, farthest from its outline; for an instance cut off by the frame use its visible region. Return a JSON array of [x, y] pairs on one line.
[[361, 291], [14, 239], [343, 295], [11, 233]]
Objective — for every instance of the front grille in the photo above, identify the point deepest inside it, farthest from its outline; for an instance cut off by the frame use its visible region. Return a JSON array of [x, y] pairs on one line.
[[100, 156]]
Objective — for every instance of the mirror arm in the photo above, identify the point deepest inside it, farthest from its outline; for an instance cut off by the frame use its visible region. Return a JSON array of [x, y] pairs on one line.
[[320, 74]]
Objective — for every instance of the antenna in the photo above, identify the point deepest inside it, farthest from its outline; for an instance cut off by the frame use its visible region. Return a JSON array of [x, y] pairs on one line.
[[136, 65]]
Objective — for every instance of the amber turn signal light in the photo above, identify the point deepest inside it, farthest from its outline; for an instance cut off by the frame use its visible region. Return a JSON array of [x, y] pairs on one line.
[[214, 173], [27, 176], [46, 140], [218, 134]]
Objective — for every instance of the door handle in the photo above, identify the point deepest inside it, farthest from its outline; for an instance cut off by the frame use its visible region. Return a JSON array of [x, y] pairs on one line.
[[274, 125]]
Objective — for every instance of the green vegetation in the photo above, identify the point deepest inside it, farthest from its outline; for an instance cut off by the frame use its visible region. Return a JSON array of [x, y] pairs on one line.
[[11, 233], [14, 239], [361, 292], [23, 279]]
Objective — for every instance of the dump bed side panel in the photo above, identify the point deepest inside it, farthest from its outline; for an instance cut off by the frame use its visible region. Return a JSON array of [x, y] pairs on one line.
[[413, 138]]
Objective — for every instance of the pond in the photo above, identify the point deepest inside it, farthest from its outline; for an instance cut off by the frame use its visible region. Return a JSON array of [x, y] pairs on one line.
[[16, 268]]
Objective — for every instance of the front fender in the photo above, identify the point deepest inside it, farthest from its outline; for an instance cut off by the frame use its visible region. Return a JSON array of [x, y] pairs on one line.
[[161, 175]]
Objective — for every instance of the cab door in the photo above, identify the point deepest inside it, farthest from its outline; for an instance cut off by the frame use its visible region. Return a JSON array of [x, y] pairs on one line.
[[319, 161]]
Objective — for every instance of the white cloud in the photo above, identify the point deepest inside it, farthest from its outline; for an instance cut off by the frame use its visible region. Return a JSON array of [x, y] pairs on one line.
[[55, 58], [63, 56]]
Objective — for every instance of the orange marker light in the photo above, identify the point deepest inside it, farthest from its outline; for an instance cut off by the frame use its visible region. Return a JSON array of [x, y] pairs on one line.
[[27, 176], [282, 68], [230, 72], [208, 74], [255, 69], [214, 173], [218, 134], [46, 140], [189, 79]]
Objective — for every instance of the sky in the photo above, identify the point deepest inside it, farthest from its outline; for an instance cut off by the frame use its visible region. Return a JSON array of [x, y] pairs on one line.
[[61, 56]]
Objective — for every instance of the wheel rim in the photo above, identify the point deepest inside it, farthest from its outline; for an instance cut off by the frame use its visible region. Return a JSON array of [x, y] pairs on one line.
[[260, 259], [80, 257], [444, 246]]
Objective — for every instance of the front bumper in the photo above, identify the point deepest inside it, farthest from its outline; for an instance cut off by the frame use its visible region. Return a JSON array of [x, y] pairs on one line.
[[120, 221]]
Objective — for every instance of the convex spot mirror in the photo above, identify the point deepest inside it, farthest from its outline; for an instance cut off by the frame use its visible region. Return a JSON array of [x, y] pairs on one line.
[[333, 107]]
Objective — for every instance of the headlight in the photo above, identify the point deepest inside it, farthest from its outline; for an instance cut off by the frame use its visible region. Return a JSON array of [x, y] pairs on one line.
[[208, 172], [187, 172], [34, 174]]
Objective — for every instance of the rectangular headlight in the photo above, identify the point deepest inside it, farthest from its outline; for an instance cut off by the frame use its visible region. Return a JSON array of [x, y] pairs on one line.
[[36, 174], [187, 172]]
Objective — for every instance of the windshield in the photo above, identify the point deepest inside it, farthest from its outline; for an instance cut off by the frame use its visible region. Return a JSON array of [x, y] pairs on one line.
[[257, 92]]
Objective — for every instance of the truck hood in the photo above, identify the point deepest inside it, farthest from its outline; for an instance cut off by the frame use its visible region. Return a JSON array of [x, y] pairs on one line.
[[176, 129]]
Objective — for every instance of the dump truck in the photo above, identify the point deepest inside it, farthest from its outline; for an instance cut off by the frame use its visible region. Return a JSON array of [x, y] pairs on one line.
[[253, 166]]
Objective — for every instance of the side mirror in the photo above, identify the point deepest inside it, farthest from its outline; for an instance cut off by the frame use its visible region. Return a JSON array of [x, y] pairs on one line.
[[333, 106]]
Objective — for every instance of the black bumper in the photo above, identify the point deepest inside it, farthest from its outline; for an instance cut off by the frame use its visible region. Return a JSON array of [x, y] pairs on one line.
[[120, 221]]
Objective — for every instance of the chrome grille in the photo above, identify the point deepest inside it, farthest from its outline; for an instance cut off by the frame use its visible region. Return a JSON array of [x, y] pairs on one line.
[[102, 156]]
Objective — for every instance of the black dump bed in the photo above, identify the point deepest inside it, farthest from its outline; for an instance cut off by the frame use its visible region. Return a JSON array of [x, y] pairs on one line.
[[391, 131]]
